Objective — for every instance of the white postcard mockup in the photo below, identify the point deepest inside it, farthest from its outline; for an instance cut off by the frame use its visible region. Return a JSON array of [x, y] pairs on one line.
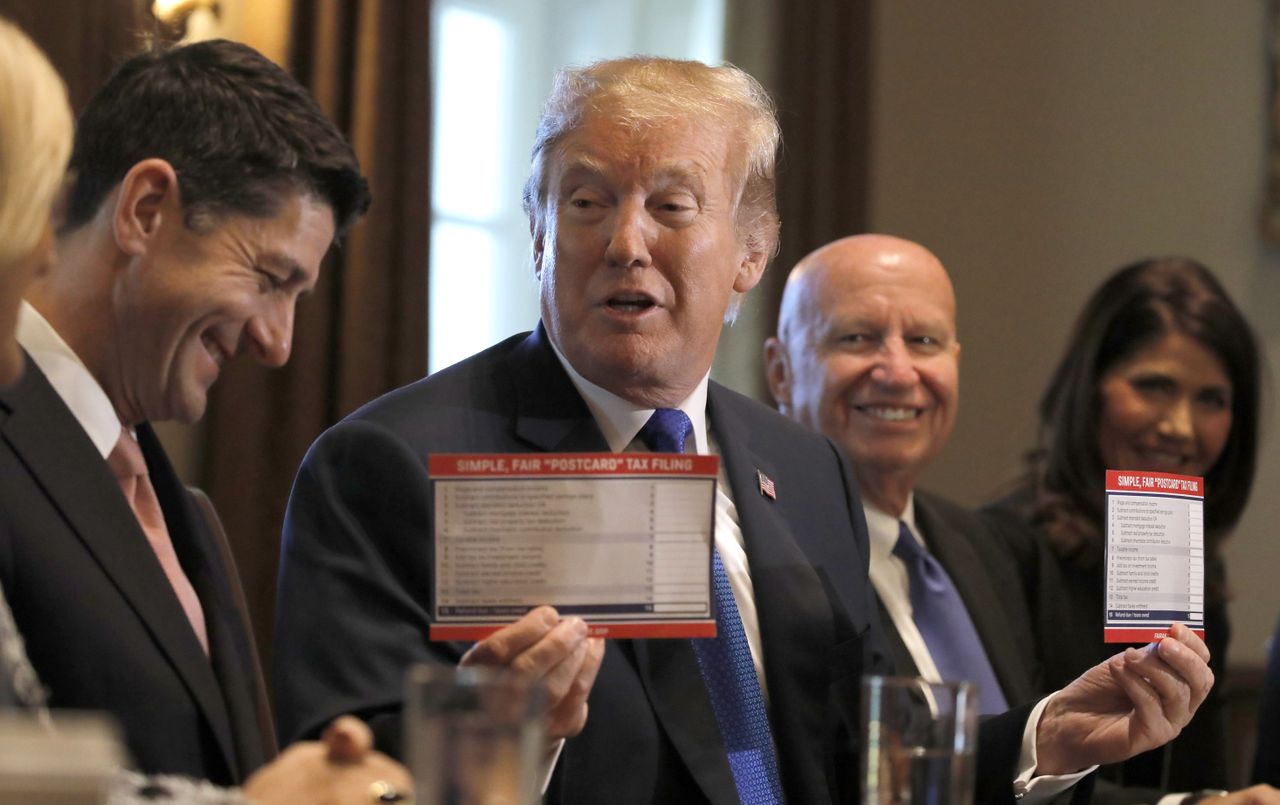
[[622, 540], [1155, 555]]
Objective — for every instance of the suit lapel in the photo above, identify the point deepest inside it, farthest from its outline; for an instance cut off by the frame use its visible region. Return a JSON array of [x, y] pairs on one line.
[[59, 455], [550, 414], [903, 663], [194, 547], [969, 574], [669, 672]]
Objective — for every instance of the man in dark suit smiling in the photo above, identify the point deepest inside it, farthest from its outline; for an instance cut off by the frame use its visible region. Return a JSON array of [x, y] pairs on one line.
[[208, 185], [651, 206], [867, 354]]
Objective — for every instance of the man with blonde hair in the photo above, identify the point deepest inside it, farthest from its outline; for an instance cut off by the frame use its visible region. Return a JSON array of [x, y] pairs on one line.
[[651, 206]]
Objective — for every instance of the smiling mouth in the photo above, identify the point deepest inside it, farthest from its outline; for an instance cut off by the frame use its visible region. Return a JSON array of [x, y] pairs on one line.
[[215, 350], [1163, 460], [889, 413]]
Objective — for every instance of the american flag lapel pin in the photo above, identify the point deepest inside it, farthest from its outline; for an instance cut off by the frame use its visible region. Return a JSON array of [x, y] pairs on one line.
[[766, 486]]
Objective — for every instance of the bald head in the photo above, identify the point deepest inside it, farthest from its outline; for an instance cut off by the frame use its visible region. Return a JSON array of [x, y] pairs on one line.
[[851, 261], [867, 354]]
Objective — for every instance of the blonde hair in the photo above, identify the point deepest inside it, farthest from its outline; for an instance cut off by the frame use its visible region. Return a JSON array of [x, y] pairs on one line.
[[35, 142], [645, 90]]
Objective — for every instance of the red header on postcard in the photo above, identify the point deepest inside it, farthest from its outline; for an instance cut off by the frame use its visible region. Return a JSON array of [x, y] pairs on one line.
[[1163, 483], [1139, 635], [524, 465]]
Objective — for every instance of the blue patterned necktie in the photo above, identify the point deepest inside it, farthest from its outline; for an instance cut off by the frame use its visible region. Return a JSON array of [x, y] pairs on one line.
[[945, 625], [725, 661]]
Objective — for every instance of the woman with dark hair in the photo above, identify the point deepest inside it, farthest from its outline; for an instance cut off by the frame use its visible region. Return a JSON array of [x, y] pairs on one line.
[[1162, 373]]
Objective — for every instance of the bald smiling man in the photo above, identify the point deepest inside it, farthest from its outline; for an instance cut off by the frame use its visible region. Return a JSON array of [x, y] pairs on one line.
[[867, 354]]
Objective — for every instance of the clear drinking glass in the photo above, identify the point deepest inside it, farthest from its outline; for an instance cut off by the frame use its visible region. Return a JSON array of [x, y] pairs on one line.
[[472, 735], [918, 741]]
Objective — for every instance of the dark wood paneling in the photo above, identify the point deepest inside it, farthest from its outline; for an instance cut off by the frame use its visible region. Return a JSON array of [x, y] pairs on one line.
[[85, 41]]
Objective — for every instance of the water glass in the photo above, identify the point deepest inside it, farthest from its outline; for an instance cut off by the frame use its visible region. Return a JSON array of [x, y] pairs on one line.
[[473, 736], [918, 741]]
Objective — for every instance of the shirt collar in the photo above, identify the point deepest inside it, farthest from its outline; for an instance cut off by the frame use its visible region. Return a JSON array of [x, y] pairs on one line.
[[620, 420], [883, 528], [70, 378]]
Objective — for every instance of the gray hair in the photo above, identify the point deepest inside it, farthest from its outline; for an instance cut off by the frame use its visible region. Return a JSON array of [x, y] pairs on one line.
[[35, 142], [650, 90]]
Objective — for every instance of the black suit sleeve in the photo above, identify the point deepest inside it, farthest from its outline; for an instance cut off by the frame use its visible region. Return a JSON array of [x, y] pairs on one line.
[[354, 584], [999, 746], [1266, 764]]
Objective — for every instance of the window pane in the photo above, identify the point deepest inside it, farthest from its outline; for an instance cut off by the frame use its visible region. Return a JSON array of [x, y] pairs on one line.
[[470, 124], [462, 261]]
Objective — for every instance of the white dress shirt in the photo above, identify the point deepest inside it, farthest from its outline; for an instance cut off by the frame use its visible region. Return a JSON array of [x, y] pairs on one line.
[[620, 421], [893, 587], [70, 378], [91, 407]]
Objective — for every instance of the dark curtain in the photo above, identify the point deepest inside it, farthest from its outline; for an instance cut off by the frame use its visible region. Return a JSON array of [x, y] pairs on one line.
[[364, 330], [822, 86], [85, 41]]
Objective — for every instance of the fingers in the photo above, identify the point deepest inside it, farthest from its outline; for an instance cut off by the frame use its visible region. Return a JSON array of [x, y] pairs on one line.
[[567, 713], [556, 652], [303, 773], [1186, 654], [1148, 706], [1190, 639], [1256, 795], [1174, 672], [537, 661], [559, 679], [347, 739], [1160, 697], [587, 676], [390, 771], [504, 645]]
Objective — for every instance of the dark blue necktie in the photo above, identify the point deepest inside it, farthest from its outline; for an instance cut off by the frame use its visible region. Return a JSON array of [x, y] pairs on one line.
[[725, 661], [945, 625]]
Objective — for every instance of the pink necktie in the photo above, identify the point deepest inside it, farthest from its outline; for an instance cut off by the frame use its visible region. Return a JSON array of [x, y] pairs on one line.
[[129, 467]]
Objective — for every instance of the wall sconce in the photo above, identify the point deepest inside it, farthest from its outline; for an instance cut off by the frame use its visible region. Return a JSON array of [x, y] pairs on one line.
[[191, 20]]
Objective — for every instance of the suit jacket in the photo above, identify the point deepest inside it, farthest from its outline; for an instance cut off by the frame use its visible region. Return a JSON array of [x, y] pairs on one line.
[[1266, 759], [102, 625], [356, 572], [989, 584]]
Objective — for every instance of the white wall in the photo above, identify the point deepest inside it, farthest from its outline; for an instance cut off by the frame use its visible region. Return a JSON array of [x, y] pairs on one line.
[[1038, 146]]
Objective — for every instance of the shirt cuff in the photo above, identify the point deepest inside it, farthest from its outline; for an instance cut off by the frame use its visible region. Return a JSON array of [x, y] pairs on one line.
[[1029, 788], [550, 757]]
